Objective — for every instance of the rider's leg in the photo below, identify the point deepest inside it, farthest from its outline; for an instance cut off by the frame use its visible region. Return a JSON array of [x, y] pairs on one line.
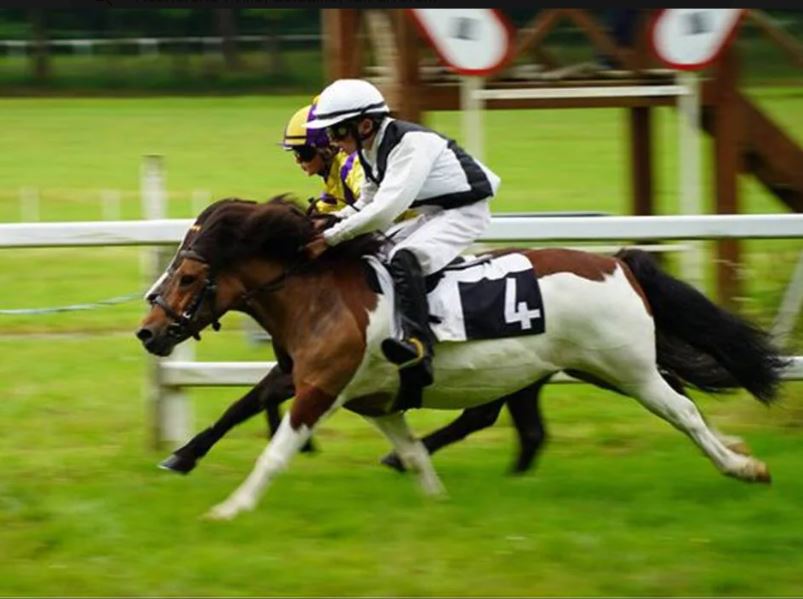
[[416, 346], [423, 248]]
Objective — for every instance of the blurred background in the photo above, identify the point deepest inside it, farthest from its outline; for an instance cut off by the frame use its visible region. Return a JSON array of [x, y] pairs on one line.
[[618, 504]]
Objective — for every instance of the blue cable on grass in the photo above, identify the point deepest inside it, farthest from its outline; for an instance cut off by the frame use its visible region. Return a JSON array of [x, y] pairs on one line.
[[121, 299]]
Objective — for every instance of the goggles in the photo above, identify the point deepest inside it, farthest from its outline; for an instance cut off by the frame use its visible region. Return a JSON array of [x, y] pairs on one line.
[[305, 153], [338, 132]]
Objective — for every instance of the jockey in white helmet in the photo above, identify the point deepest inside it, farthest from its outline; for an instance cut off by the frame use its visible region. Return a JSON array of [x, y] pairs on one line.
[[440, 191]]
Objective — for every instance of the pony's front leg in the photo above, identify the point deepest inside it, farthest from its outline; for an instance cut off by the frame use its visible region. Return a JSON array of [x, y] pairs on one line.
[[413, 453], [309, 408]]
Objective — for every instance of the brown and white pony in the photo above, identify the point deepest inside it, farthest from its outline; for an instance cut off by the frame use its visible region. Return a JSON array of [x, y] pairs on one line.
[[619, 322]]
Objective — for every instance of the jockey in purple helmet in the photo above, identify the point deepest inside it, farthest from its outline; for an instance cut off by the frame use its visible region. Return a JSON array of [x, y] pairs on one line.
[[341, 173]]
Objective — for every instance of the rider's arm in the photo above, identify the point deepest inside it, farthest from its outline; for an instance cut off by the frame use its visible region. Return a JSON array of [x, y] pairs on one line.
[[409, 165], [367, 192]]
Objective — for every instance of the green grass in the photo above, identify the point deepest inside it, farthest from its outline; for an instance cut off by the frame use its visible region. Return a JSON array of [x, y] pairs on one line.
[[620, 504]]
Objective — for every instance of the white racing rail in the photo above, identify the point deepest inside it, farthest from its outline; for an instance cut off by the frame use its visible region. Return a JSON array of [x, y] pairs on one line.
[[502, 228], [234, 374]]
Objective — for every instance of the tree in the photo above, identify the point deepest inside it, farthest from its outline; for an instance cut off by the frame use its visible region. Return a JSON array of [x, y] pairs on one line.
[[273, 19]]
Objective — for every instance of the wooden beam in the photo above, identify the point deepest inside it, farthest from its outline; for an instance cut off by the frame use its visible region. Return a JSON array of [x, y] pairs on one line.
[[342, 44], [407, 95], [641, 54], [768, 152], [447, 97], [530, 37], [533, 34], [728, 138], [641, 171]]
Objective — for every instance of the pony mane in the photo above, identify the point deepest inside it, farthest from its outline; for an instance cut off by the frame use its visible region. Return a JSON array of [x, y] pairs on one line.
[[233, 229]]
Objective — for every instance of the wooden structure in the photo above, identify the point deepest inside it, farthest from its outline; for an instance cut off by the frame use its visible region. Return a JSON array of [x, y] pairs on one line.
[[745, 139]]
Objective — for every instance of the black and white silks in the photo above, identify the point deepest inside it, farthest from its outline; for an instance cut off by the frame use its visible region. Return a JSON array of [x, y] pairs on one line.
[[410, 166]]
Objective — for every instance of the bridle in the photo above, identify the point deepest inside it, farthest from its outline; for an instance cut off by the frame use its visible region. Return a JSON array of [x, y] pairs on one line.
[[180, 328]]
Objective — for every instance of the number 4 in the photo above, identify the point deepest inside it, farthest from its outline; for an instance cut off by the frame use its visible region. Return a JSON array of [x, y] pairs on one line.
[[520, 312]]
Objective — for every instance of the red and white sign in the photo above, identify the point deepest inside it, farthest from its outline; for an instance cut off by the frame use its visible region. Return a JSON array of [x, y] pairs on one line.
[[470, 41], [693, 38]]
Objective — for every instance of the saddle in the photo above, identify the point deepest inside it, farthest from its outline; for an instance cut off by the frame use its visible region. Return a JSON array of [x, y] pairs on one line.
[[485, 297], [473, 298]]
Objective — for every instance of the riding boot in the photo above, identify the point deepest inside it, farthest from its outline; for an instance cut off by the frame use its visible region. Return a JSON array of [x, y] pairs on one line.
[[413, 353]]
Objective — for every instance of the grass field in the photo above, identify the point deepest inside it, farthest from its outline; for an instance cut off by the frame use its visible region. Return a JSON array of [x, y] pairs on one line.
[[620, 503]]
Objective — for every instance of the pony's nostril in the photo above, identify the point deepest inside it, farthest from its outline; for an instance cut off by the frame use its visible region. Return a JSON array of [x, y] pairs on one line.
[[144, 334]]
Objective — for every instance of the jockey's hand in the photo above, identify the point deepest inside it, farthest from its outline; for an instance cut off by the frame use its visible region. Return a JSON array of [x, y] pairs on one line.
[[312, 207], [316, 247], [322, 221]]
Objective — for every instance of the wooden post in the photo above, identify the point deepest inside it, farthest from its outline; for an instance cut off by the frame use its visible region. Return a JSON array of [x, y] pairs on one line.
[[406, 102], [341, 43], [688, 114], [170, 407], [641, 160], [727, 164]]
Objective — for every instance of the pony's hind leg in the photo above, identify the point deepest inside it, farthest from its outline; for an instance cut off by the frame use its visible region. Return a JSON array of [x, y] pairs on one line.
[[412, 452], [732, 442], [658, 397]]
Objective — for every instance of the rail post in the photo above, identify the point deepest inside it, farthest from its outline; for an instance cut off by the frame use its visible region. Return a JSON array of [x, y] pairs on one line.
[[170, 407]]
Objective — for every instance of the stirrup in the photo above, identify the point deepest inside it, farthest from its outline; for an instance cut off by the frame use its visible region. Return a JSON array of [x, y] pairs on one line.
[[404, 353]]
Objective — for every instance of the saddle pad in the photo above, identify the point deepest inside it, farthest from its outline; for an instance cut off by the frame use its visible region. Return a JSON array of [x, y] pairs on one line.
[[486, 299]]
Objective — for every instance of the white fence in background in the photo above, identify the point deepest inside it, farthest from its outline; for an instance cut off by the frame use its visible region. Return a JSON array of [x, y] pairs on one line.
[[150, 45], [168, 376], [502, 229]]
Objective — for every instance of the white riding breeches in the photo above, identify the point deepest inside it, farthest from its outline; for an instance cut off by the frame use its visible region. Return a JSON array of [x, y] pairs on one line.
[[438, 237]]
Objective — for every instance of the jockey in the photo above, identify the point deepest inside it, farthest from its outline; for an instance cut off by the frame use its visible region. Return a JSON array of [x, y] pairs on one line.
[[341, 173], [407, 168]]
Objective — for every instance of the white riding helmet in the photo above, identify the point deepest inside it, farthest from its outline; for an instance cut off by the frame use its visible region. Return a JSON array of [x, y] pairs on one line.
[[345, 99]]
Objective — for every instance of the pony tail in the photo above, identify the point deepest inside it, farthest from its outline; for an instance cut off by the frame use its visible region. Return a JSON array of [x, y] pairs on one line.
[[702, 343]]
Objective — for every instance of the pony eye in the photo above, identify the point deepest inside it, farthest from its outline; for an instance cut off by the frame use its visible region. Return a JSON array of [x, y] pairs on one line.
[[186, 280]]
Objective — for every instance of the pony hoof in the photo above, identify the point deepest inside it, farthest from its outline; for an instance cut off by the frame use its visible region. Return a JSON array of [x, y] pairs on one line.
[[762, 473], [393, 461], [178, 463]]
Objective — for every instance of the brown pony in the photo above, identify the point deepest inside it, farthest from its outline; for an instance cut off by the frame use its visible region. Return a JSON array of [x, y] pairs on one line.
[[620, 322]]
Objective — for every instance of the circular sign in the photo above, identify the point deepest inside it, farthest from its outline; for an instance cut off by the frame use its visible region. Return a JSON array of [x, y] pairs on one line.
[[693, 38], [470, 41]]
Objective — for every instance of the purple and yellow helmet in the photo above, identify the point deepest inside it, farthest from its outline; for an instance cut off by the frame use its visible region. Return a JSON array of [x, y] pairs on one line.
[[296, 133]]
